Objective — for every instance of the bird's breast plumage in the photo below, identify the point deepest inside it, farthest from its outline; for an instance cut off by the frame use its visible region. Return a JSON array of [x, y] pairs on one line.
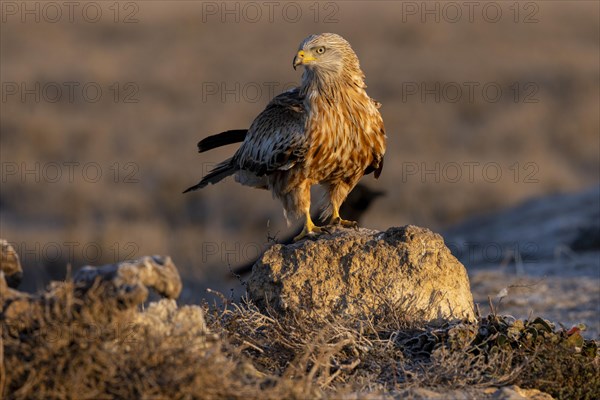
[[346, 136]]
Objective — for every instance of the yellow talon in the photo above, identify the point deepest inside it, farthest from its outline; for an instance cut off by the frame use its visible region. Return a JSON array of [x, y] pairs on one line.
[[309, 229], [343, 222], [337, 220]]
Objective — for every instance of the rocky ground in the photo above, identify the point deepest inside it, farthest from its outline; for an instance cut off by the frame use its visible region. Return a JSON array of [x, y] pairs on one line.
[[352, 314], [541, 257]]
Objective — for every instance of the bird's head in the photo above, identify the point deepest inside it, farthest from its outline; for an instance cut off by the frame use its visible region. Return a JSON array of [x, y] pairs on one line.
[[326, 52]]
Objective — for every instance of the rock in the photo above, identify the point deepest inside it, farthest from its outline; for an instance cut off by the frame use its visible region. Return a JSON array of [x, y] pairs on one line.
[[11, 274], [516, 393], [117, 287], [164, 318], [364, 273], [10, 265], [128, 281]]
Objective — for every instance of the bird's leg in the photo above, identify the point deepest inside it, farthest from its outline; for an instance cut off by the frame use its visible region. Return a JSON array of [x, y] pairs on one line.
[[309, 228], [337, 195], [302, 198], [337, 220]]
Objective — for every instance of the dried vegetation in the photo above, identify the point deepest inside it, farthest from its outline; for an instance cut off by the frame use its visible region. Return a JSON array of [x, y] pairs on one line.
[[88, 347]]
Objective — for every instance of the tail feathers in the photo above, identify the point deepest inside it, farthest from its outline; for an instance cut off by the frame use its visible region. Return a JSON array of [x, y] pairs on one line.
[[221, 171], [222, 139]]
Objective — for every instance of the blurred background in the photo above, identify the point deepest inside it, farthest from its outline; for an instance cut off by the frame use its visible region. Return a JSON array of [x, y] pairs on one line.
[[485, 106]]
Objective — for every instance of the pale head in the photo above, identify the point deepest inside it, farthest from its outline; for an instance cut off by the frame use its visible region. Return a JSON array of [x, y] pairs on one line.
[[326, 53]]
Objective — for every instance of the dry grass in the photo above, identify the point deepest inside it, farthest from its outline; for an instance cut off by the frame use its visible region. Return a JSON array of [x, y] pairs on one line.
[[90, 349]]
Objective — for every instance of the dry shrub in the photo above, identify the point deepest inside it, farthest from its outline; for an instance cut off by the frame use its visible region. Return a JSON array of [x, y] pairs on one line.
[[500, 350], [340, 355], [88, 348]]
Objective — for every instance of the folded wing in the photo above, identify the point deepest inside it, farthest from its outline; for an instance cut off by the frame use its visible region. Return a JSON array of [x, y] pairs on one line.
[[277, 138], [276, 141]]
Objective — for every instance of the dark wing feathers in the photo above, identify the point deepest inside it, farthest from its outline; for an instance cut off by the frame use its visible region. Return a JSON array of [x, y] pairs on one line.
[[277, 138], [275, 141]]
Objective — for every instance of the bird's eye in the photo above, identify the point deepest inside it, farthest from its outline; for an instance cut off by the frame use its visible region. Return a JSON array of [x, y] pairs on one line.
[[320, 50]]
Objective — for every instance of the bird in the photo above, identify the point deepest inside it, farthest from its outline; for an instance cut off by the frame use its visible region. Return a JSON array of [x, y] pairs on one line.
[[325, 131]]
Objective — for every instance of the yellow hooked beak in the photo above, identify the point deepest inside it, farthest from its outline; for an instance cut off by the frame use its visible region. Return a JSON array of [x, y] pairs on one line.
[[302, 59]]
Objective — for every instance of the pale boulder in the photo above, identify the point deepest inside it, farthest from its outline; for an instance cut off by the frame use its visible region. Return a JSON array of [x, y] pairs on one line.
[[365, 273]]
